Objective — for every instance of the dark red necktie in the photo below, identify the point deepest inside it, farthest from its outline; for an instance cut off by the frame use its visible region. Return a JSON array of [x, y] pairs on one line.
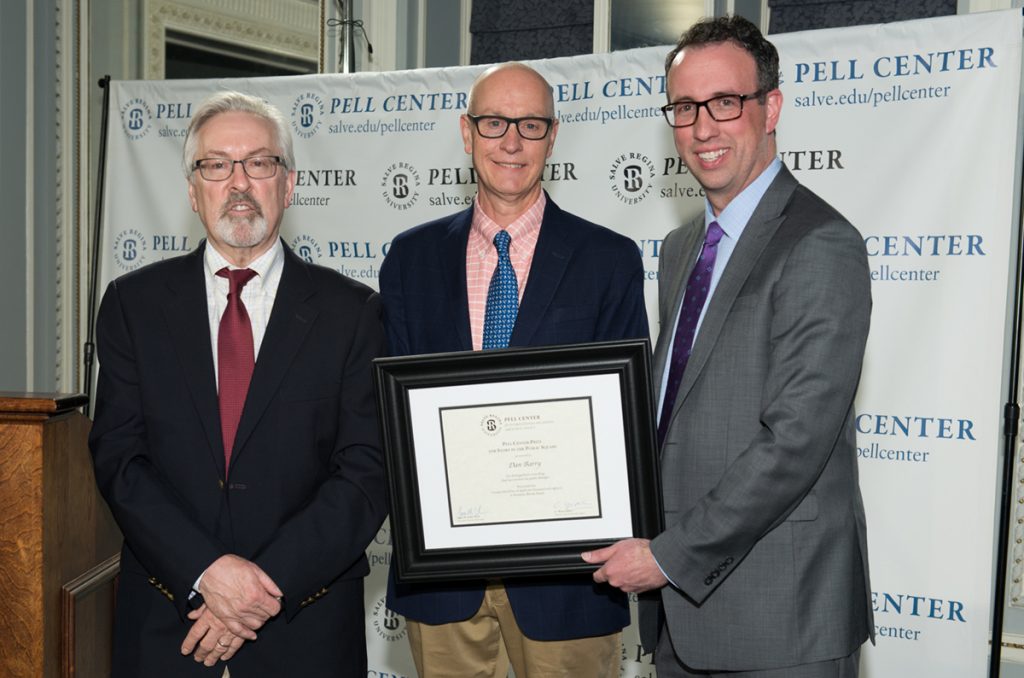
[[235, 357], [693, 303]]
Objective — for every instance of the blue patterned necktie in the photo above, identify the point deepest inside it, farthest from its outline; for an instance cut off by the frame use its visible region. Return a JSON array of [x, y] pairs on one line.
[[502, 298], [686, 327]]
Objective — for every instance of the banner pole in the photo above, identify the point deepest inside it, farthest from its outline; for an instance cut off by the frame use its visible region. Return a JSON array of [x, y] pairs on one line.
[[1011, 424], [1011, 419], [89, 350]]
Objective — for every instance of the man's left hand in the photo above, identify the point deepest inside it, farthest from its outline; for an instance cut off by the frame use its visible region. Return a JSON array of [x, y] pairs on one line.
[[628, 565], [209, 640]]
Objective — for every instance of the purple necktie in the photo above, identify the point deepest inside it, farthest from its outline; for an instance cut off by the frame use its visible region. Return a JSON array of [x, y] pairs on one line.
[[235, 357], [693, 303]]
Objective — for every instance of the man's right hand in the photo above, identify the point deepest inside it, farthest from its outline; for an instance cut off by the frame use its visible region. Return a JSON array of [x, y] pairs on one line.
[[241, 595]]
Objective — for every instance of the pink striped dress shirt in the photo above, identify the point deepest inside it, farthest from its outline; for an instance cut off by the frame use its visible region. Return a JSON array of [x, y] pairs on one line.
[[482, 258]]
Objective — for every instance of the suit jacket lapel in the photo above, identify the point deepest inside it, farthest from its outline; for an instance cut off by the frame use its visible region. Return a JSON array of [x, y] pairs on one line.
[[188, 324], [550, 259], [761, 228], [453, 267], [290, 320]]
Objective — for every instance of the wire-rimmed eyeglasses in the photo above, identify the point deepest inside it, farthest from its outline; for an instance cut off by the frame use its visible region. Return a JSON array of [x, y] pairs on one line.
[[256, 167]]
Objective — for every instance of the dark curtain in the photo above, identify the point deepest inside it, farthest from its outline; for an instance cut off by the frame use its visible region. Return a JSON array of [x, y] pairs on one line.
[[802, 15], [515, 30]]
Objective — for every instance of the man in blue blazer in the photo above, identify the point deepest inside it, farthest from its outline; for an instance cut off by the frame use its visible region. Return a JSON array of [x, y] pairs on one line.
[[235, 435], [575, 282], [762, 569]]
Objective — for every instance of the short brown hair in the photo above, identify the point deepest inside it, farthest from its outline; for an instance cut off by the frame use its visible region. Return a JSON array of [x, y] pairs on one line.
[[743, 34]]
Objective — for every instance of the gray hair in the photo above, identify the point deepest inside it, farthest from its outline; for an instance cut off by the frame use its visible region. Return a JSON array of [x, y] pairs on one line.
[[226, 102]]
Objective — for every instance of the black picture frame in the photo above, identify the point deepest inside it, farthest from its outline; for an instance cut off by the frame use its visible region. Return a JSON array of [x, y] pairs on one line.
[[549, 368]]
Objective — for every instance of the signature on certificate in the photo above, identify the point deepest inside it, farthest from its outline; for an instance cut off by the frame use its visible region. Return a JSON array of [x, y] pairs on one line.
[[572, 507], [470, 512]]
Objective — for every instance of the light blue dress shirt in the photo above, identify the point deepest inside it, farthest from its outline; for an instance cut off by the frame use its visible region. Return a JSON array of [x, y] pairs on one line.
[[733, 220]]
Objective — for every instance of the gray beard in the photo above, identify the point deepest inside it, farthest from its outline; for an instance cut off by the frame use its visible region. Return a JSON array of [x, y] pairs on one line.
[[242, 232]]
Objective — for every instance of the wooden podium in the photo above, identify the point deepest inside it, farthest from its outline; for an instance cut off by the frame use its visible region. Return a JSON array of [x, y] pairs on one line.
[[59, 546]]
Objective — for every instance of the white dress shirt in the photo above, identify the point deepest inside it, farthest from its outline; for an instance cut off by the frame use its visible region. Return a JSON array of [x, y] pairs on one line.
[[258, 294]]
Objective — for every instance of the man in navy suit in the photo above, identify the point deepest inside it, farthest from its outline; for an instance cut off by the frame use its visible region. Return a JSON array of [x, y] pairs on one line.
[[235, 435], [576, 282]]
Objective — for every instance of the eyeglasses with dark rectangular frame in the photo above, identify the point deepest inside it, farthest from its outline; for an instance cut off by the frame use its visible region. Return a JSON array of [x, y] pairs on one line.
[[721, 109], [256, 167], [495, 126]]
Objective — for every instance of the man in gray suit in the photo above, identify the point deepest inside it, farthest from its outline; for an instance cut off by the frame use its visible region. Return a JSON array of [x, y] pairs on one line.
[[765, 303]]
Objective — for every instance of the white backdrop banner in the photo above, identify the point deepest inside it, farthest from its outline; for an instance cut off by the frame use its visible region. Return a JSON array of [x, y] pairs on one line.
[[908, 129]]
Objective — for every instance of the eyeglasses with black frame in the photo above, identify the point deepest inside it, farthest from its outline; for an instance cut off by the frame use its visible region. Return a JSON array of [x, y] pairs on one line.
[[495, 126], [256, 167], [721, 109]]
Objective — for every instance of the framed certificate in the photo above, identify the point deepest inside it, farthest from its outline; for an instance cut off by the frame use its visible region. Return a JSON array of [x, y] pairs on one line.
[[512, 462]]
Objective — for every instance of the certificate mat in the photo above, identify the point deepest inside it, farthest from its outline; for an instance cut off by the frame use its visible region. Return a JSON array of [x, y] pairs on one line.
[[514, 461], [608, 466]]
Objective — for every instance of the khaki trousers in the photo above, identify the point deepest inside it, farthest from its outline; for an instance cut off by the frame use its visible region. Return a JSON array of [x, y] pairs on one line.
[[484, 645]]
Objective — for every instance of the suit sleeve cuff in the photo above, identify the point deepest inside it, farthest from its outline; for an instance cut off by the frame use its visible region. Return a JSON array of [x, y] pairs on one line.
[[195, 598], [663, 570]]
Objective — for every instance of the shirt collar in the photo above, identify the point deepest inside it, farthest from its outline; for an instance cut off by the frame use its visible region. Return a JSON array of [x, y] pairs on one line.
[[267, 263], [529, 221], [737, 213]]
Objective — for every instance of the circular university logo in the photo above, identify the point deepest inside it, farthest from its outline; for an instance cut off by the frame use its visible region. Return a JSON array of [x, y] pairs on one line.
[[400, 185], [632, 177], [136, 118], [491, 424], [389, 625], [307, 248], [129, 250], [307, 114]]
